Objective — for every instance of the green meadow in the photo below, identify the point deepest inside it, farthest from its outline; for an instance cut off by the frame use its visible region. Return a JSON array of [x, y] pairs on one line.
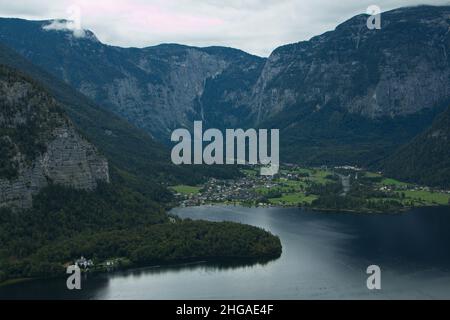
[[184, 189]]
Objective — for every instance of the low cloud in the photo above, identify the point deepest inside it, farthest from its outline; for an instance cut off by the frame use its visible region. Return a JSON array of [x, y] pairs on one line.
[[64, 25]]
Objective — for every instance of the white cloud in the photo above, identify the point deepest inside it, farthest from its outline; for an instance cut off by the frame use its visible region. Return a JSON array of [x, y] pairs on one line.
[[256, 26], [66, 25]]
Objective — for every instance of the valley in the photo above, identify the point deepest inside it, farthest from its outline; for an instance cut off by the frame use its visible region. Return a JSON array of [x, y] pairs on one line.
[[343, 188], [86, 168], [349, 95]]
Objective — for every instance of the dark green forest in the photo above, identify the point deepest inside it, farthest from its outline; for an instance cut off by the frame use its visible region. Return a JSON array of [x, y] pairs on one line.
[[115, 222], [361, 198], [426, 159]]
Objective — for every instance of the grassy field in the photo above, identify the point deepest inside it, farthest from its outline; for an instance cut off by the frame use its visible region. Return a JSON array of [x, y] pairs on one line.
[[372, 174], [294, 184], [183, 189], [319, 176], [293, 199], [303, 171], [428, 197], [284, 186], [392, 182]]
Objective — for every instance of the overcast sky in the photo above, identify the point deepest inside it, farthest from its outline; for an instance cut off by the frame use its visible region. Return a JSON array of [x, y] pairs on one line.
[[256, 26]]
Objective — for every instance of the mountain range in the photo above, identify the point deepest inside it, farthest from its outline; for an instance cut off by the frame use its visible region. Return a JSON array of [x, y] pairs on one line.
[[348, 96]]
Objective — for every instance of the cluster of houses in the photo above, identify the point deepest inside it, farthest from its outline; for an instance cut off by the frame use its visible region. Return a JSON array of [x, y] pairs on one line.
[[239, 190], [244, 190], [86, 264], [348, 167], [221, 191], [83, 263]]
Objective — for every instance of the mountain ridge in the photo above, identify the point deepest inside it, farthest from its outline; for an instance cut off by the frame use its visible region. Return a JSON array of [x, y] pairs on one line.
[[350, 95], [156, 88]]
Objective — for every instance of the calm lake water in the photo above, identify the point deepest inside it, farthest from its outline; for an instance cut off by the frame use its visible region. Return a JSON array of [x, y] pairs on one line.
[[325, 256]]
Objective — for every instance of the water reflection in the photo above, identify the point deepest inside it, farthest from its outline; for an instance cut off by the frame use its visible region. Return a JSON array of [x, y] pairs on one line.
[[216, 266], [51, 289], [97, 285]]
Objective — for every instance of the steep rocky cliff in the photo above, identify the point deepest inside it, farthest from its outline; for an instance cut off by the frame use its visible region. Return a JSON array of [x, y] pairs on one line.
[[354, 95], [156, 88], [39, 146], [396, 71]]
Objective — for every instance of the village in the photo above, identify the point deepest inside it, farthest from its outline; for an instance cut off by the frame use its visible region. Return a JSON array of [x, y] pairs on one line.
[[228, 191], [292, 187]]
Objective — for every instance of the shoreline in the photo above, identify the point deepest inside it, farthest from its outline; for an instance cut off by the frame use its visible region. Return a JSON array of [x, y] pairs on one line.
[[230, 261], [192, 261], [315, 209]]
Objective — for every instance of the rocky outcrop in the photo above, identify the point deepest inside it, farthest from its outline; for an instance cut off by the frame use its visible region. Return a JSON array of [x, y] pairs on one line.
[[163, 105], [43, 145], [396, 71], [166, 87], [156, 88]]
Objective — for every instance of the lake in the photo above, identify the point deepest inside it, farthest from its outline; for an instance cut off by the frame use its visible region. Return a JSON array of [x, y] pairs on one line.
[[325, 256]]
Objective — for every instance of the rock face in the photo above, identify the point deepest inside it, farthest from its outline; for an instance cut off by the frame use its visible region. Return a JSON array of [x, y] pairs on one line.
[[396, 71], [157, 88], [354, 95], [39, 145], [166, 87], [164, 103]]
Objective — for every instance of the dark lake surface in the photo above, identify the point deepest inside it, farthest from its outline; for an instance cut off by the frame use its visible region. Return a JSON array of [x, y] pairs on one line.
[[325, 256]]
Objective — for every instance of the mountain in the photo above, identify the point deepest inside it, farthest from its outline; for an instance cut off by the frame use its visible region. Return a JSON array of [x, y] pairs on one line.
[[351, 95], [426, 159], [398, 70], [354, 94], [156, 88], [131, 151], [39, 146]]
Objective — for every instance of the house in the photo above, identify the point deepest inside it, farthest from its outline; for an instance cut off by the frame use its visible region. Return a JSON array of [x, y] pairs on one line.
[[83, 263]]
